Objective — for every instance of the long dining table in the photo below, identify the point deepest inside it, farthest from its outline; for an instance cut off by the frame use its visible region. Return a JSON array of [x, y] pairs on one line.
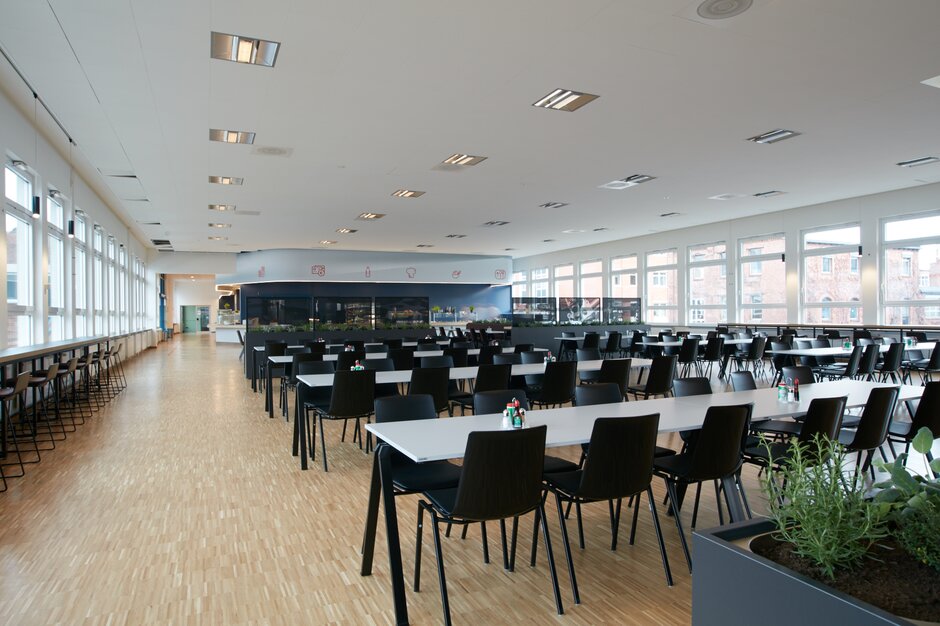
[[299, 443], [432, 440]]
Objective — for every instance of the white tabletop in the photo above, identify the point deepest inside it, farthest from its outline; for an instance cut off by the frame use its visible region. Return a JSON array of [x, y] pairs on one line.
[[839, 351], [431, 440], [372, 355]]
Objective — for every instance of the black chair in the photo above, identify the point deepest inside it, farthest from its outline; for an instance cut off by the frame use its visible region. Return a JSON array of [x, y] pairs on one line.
[[778, 361], [823, 419], [616, 371], [743, 381], [716, 456], [489, 378], [437, 361], [872, 429], [612, 345], [688, 357], [495, 400], [753, 359], [271, 348], [523, 347], [458, 356], [404, 358], [375, 348], [382, 390], [533, 382], [802, 373], [315, 397], [511, 358], [392, 344], [566, 349], [561, 378], [9, 432], [620, 466], [823, 361], [591, 340], [685, 387], [428, 346], [601, 393], [866, 367], [434, 381], [352, 398], [358, 345], [891, 364], [289, 378], [927, 415], [847, 370], [347, 360], [659, 382], [927, 366], [483, 493], [714, 349], [589, 354]]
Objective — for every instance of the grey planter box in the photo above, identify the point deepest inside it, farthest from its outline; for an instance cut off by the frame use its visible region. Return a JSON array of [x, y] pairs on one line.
[[731, 585]]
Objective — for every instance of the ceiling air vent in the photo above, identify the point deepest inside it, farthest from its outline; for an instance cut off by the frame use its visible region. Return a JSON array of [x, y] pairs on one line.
[[160, 242]]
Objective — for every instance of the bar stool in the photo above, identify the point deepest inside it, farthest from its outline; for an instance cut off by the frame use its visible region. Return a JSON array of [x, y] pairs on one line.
[[8, 431]]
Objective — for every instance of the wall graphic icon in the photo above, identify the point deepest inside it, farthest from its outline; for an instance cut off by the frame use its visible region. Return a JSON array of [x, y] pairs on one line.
[[411, 271], [318, 270]]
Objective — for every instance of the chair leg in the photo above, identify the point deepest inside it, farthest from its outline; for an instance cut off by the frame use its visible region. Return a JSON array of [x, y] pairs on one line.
[[577, 509], [671, 489], [419, 538], [635, 503], [551, 556], [659, 532], [502, 532], [486, 543], [442, 581], [698, 493], [512, 543], [564, 537], [615, 529], [323, 443], [721, 517]]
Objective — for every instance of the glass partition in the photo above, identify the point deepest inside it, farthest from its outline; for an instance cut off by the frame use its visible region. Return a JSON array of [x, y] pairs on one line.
[[401, 312], [345, 313], [579, 310], [277, 314], [622, 310], [533, 311]]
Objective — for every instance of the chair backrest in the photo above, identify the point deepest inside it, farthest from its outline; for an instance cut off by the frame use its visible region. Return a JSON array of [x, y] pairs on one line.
[[301, 357], [861, 334], [621, 460], [613, 341], [591, 340], [855, 360], [353, 393], [714, 348], [876, 417], [379, 365], [822, 418], [688, 352], [616, 371], [501, 475], [274, 348], [404, 358], [892, 358], [491, 377], [401, 408], [461, 344], [869, 359], [755, 350], [558, 385], [314, 367], [662, 374], [532, 356], [523, 347], [717, 452], [779, 360], [292, 350], [487, 352], [457, 355], [598, 393], [743, 381], [22, 382], [927, 414], [691, 387], [802, 373], [358, 345], [376, 348], [864, 342], [509, 358], [336, 349], [437, 361], [433, 381], [427, 346], [934, 363], [345, 360], [823, 343], [588, 354], [392, 344], [316, 347], [495, 400], [919, 335]]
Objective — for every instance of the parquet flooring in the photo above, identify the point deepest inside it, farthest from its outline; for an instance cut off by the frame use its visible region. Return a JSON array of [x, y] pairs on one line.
[[180, 503]]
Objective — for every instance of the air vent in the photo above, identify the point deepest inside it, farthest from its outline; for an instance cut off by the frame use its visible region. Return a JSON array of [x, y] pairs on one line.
[[455, 236], [773, 136], [670, 214], [573, 231], [726, 196], [160, 242], [921, 161], [226, 180], [723, 9], [769, 194], [553, 205], [222, 207], [463, 159], [629, 181], [272, 151], [494, 223]]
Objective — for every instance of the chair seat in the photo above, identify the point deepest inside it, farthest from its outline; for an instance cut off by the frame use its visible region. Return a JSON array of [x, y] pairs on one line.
[[779, 451], [567, 482], [589, 377], [780, 427], [661, 451], [555, 464], [678, 465], [900, 429], [435, 475], [442, 499]]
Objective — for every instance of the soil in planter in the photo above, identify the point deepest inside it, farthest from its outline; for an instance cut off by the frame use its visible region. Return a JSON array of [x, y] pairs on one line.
[[892, 580]]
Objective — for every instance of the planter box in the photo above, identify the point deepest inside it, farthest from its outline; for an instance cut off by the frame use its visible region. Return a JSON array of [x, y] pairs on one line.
[[732, 585]]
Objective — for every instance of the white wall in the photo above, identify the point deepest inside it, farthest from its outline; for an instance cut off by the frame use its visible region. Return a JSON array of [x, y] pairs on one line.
[[182, 291], [868, 211]]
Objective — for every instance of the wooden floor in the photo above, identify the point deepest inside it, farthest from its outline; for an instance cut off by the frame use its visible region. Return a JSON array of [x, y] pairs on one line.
[[180, 503]]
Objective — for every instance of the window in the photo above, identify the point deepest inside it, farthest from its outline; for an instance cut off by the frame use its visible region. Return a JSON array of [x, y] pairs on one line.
[[623, 277], [827, 277], [519, 285], [762, 279], [539, 282], [591, 286], [18, 188], [853, 313], [707, 284], [564, 281], [662, 290], [54, 213], [56, 279], [97, 279], [80, 225], [80, 294], [19, 279], [112, 288], [910, 268], [122, 289]]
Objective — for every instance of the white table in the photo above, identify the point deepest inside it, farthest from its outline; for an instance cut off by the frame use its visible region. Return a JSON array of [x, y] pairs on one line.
[[839, 351], [430, 440]]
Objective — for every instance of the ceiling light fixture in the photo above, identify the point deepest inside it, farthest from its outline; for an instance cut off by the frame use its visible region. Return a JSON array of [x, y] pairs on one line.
[[629, 181], [920, 161], [370, 216], [425, 245], [573, 231], [669, 214], [243, 49], [71, 229], [547, 240], [932, 82], [495, 223], [219, 225], [769, 194], [20, 165], [774, 136], [231, 136], [346, 231], [455, 236], [565, 100], [553, 205], [226, 180], [326, 242], [722, 9], [218, 238], [463, 159], [407, 193], [222, 207]]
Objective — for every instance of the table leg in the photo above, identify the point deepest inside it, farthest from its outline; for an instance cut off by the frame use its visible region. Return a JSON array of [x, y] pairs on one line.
[[372, 514], [733, 499], [268, 396], [254, 370]]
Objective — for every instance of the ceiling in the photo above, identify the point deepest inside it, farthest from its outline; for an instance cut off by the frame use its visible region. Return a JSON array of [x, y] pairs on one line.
[[370, 97]]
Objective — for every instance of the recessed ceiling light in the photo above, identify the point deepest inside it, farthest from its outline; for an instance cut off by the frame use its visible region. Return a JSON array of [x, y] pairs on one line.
[[463, 159], [326, 242], [773, 136], [425, 245], [553, 205], [218, 238], [722, 9], [726, 196], [455, 236], [629, 181], [508, 249], [921, 161], [231, 136], [572, 231], [565, 100], [222, 207], [547, 240], [670, 214], [226, 180], [370, 216], [597, 230], [495, 223], [932, 82], [346, 231], [769, 194], [219, 225], [407, 193], [244, 49]]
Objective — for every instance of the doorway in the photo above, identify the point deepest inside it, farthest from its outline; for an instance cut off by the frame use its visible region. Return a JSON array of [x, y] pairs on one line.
[[195, 318]]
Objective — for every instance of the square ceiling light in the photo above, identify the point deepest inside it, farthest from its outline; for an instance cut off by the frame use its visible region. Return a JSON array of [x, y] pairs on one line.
[[565, 100], [408, 193], [773, 136], [219, 225], [231, 136], [370, 216], [243, 49], [629, 181], [463, 159], [226, 180], [222, 207]]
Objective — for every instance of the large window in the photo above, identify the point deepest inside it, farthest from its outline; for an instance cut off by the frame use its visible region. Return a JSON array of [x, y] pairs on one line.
[[122, 288], [539, 282], [54, 213], [520, 284], [662, 289], [17, 187], [831, 289], [623, 282], [911, 251], [19, 278], [763, 279], [80, 293], [707, 289], [97, 279], [112, 287], [564, 281], [56, 300]]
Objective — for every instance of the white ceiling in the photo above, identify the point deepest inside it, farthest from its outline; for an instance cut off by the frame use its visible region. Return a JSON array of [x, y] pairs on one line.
[[371, 96]]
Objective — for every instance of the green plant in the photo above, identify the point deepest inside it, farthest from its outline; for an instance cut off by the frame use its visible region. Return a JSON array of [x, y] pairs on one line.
[[824, 516], [912, 502]]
